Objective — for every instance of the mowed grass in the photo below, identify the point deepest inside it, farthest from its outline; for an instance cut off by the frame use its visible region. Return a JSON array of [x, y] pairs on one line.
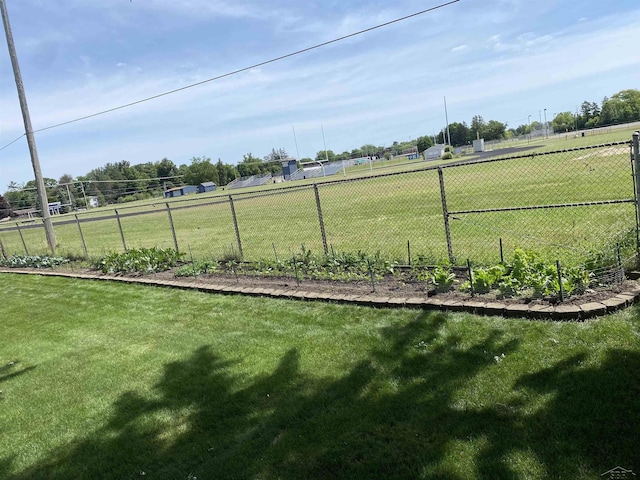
[[105, 380], [384, 213]]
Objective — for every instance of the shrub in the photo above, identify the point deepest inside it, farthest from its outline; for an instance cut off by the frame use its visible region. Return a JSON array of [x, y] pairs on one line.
[[447, 156]]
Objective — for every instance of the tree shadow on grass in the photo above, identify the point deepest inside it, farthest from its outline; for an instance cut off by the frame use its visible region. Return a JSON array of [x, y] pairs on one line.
[[10, 371], [393, 415], [592, 423]]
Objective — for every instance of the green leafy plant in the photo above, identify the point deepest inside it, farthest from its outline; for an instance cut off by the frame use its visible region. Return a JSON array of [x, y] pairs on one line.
[[509, 286], [140, 260], [529, 271], [520, 267], [33, 261], [305, 264], [486, 279], [540, 283], [442, 277], [198, 267], [580, 278]]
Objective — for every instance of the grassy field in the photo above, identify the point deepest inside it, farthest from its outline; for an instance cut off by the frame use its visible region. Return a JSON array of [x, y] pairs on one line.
[[383, 214], [104, 380]]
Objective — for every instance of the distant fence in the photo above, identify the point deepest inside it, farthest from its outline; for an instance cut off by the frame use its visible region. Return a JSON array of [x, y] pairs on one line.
[[574, 205]]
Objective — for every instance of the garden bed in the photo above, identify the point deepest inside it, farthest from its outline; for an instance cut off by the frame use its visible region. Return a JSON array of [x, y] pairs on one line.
[[397, 285], [527, 286], [391, 291]]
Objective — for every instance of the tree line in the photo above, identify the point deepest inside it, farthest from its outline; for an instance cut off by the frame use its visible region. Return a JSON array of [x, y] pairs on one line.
[[122, 182], [621, 107]]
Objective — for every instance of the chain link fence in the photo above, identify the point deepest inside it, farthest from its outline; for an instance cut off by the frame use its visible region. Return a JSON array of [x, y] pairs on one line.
[[577, 206]]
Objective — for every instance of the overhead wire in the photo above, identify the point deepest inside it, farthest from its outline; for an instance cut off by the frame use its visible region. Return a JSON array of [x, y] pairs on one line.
[[12, 142], [244, 69]]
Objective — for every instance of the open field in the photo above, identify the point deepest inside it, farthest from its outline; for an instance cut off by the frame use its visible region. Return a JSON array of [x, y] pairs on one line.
[[103, 380], [384, 213]]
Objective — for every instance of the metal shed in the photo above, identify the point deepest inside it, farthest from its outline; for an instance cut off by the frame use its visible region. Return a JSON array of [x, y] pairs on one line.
[[206, 187], [179, 191]]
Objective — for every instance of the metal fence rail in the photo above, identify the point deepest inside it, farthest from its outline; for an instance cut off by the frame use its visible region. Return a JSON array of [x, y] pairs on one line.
[[568, 204]]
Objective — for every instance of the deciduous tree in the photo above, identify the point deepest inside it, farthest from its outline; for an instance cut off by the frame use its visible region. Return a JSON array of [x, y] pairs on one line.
[[321, 157], [424, 143], [201, 170]]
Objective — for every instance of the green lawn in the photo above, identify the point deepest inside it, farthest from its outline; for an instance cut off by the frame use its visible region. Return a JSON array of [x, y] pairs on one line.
[[123, 381]]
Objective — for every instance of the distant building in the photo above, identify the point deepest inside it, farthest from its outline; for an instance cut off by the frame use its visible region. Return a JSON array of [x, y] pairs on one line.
[[206, 187], [410, 150], [478, 145], [93, 202], [289, 166], [180, 191], [408, 156], [434, 153]]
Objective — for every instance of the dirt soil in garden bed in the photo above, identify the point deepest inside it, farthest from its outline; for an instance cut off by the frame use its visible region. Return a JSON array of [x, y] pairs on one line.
[[401, 285]]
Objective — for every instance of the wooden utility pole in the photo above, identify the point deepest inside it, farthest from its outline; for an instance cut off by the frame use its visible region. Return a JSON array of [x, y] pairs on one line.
[[31, 141]]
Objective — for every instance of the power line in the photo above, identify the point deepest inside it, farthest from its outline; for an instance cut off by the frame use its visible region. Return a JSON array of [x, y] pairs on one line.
[[123, 180], [126, 180], [244, 69], [12, 142]]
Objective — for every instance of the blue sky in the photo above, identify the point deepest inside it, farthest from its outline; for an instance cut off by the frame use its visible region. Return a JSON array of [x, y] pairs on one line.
[[502, 59]]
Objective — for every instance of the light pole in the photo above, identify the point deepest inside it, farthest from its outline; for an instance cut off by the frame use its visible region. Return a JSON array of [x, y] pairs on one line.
[[446, 116], [296, 142], [326, 154], [546, 127]]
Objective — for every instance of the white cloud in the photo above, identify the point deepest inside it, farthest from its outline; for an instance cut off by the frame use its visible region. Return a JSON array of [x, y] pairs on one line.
[[522, 43]]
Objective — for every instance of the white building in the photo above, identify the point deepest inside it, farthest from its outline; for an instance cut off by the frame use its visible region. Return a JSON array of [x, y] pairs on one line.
[[434, 153]]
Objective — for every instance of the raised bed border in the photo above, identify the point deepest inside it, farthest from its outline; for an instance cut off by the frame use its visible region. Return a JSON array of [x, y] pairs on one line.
[[534, 311]]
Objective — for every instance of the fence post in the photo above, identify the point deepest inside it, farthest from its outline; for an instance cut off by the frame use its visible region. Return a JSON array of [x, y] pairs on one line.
[[235, 225], [24, 244], [445, 215], [124, 244], [84, 245], [636, 170], [560, 288], [321, 220], [173, 230]]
